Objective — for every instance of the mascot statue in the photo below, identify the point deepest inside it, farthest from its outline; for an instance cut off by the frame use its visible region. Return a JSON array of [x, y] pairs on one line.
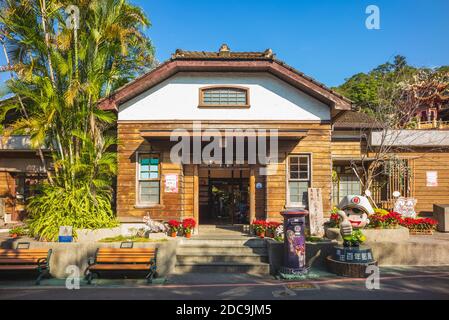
[[354, 212]]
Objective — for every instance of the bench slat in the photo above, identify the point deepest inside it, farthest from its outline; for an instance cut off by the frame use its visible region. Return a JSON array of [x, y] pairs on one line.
[[18, 267], [120, 267], [18, 261], [123, 260], [116, 250]]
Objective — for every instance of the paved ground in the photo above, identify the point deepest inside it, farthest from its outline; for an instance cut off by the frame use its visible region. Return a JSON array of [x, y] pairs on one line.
[[395, 283]]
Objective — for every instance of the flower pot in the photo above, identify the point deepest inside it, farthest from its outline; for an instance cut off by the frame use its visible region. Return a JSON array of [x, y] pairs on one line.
[[14, 235], [173, 234], [261, 234], [188, 235]]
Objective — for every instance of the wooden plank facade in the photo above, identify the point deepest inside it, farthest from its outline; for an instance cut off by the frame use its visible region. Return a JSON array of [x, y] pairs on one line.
[[269, 199]]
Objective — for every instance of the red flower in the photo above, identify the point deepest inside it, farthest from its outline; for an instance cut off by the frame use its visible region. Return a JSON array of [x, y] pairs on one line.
[[188, 223]]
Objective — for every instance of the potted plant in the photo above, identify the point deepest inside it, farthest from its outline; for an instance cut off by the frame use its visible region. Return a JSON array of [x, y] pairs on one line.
[[187, 225], [260, 226], [173, 227], [17, 232], [271, 228]]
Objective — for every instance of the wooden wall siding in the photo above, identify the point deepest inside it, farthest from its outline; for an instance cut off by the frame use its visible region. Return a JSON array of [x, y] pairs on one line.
[[318, 144], [269, 200], [427, 196], [346, 149], [130, 142]]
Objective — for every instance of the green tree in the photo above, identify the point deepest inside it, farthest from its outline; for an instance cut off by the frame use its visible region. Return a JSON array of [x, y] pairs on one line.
[[65, 56]]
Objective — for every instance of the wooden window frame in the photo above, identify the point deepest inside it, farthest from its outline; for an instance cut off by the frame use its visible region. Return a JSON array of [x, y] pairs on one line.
[[139, 203], [288, 179], [201, 103]]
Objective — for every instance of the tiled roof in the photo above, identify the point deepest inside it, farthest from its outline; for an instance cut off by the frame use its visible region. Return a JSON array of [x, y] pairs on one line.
[[225, 60], [224, 53], [354, 119]]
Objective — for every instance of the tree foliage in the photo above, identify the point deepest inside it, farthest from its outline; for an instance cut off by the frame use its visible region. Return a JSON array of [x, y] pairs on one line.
[[59, 74], [367, 90]]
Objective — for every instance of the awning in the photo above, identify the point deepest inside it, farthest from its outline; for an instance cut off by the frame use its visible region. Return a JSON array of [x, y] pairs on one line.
[[166, 134]]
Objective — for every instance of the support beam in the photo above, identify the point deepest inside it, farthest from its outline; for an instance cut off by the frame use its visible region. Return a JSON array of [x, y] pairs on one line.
[[252, 194], [196, 197]]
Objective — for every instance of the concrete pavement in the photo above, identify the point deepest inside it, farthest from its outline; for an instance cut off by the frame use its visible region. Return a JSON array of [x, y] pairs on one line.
[[395, 283]]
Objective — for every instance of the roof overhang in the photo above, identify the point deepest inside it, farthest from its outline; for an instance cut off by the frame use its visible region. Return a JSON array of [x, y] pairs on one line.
[[273, 66], [167, 134]]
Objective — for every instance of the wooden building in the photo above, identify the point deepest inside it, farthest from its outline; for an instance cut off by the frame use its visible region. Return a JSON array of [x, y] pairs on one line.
[[232, 94]]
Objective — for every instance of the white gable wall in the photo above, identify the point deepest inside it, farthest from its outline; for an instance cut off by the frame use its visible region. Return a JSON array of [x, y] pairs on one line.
[[177, 99]]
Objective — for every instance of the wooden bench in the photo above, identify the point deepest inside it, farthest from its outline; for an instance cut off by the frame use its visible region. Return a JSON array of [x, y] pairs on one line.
[[26, 260], [122, 260]]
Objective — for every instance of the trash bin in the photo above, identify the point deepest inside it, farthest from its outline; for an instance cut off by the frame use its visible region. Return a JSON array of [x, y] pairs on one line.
[[294, 242]]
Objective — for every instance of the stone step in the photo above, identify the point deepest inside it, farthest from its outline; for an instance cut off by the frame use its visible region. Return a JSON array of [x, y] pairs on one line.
[[223, 241], [186, 258], [206, 250], [219, 267]]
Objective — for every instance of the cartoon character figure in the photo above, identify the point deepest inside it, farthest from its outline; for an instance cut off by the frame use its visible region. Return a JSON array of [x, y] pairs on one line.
[[354, 212]]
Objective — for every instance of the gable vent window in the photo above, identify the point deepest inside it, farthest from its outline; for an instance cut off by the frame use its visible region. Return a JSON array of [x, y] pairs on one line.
[[227, 97]]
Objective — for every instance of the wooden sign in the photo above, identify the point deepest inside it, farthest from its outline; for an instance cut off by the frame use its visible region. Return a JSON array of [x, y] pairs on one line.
[[406, 207], [316, 218]]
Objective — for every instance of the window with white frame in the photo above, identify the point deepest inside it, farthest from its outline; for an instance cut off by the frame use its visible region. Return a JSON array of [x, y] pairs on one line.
[[148, 179], [298, 172]]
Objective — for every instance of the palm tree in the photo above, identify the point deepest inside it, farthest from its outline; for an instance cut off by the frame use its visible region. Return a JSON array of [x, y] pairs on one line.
[[65, 56]]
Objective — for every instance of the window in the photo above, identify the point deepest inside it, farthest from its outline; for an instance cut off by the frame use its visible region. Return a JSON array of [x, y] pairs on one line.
[[224, 96], [345, 184], [298, 180], [148, 179]]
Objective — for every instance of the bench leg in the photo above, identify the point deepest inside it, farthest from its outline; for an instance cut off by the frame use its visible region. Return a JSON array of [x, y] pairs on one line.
[[151, 275], [90, 277], [42, 274]]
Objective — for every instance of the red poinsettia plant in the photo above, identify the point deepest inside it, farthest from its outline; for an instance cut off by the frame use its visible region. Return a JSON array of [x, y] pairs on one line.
[[260, 226], [419, 223], [381, 220], [174, 225], [188, 224]]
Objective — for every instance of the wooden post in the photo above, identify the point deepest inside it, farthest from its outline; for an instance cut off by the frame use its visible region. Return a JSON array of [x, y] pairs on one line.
[[252, 195], [196, 197]]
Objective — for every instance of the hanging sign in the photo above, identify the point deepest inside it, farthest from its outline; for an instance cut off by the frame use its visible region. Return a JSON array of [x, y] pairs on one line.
[[171, 183], [432, 178], [316, 212]]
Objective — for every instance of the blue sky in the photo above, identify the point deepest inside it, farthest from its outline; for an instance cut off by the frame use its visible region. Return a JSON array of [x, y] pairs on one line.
[[325, 39]]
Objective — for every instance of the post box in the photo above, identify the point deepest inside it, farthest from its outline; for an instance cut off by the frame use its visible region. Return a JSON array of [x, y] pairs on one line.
[[294, 241]]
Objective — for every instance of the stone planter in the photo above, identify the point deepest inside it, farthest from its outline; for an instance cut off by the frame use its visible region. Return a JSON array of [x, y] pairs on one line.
[[374, 235]]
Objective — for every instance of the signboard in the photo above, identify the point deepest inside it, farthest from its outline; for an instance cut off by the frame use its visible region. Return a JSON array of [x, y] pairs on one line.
[[316, 212], [432, 178], [406, 207], [171, 183], [65, 234]]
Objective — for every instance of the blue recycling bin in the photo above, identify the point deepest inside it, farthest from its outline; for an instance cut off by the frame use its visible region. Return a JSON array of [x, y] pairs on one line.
[[294, 242]]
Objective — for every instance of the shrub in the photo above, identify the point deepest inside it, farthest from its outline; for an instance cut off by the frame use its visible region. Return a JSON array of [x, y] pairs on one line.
[[57, 206]]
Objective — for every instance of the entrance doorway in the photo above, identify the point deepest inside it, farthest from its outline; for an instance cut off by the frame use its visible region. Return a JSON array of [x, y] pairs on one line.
[[227, 202]]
